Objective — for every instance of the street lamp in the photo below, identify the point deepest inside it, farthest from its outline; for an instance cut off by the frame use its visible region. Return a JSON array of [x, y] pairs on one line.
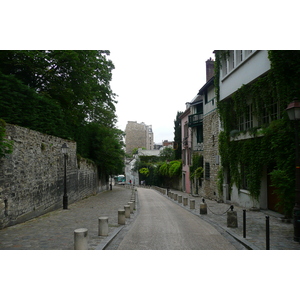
[[64, 150], [293, 111]]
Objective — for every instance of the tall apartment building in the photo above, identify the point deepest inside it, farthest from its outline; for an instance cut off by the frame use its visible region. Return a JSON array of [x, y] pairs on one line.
[[138, 135]]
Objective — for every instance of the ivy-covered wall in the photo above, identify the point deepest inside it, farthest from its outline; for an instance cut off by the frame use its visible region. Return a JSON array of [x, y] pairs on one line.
[[271, 145]]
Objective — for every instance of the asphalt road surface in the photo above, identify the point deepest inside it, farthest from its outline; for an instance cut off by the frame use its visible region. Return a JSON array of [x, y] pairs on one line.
[[164, 225]]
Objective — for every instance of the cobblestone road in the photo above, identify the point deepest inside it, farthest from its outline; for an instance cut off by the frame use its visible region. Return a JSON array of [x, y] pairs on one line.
[[55, 230]]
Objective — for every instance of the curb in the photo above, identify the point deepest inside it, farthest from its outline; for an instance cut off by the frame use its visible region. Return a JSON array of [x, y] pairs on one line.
[[103, 245], [241, 240]]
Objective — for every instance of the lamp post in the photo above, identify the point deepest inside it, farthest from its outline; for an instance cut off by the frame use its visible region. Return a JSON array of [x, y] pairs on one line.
[[64, 150], [293, 111]]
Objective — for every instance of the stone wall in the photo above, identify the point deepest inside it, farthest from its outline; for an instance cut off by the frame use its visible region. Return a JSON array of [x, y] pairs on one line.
[[32, 177], [209, 187]]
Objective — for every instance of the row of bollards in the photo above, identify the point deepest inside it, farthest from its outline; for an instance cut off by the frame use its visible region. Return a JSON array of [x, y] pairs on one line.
[[81, 234], [232, 220]]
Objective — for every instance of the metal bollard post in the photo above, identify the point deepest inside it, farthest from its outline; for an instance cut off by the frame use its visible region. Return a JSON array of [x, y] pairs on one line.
[[244, 223], [267, 233], [81, 239], [103, 226]]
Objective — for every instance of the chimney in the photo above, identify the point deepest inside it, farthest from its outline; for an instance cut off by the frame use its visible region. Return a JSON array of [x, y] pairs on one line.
[[209, 69]]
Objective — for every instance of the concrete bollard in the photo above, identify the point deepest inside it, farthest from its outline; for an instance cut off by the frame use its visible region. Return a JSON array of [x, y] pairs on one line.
[[232, 219], [103, 226], [179, 199], [81, 239], [203, 209], [121, 216], [131, 204], [127, 211], [192, 204], [185, 201], [175, 197], [133, 201]]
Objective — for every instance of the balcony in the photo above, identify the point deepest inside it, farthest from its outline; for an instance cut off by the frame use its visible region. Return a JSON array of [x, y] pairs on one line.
[[195, 119]]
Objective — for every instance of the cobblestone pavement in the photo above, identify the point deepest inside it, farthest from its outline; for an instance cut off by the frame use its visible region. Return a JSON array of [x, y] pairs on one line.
[[55, 230], [281, 234]]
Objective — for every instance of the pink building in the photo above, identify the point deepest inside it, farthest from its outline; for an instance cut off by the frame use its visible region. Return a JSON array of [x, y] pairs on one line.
[[186, 150]]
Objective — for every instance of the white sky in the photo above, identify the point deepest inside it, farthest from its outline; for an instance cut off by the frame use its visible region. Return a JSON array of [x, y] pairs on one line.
[[158, 47], [153, 84]]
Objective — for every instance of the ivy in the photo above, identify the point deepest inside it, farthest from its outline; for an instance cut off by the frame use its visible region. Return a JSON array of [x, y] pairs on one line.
[[6, 146], [271, 144]]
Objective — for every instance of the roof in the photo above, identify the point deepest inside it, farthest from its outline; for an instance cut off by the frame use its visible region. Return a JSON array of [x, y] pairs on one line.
[[206, 85]]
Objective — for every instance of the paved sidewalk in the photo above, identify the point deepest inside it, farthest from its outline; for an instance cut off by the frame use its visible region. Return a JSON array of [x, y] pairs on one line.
[[55, 230], [281, 234]]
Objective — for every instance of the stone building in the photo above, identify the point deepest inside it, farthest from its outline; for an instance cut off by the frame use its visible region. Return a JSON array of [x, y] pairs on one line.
[[186, 149], [204, 125], [138, 135]]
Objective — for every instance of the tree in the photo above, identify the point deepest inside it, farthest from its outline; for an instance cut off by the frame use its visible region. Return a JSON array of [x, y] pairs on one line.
[[177, 136], [67, 94], [167, 154]]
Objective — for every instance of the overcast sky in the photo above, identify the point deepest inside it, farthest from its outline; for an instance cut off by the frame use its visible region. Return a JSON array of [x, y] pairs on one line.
[[153, 84]]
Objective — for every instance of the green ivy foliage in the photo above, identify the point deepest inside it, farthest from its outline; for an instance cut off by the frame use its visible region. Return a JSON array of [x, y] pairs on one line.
[[271, 145], [6, 146]]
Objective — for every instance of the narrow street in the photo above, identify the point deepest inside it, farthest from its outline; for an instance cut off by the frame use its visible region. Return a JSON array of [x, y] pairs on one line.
[[163, 225]]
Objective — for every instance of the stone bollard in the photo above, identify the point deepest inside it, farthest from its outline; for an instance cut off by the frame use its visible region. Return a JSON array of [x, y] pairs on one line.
[[131, 204], [133, 201], [192, 204], [185, 201], [103, 226], [232, 221], [203, 209], [121, 216], [175, 197], [179, 199], [127, 211], [81, 239]]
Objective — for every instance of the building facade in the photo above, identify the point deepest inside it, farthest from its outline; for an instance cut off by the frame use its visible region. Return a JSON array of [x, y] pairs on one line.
[[138, 135], [186, 149], [204, 124], [240, 69]]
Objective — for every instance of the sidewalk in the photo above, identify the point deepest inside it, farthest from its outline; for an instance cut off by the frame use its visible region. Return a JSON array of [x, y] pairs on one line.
[[281, 234], [55, 230]]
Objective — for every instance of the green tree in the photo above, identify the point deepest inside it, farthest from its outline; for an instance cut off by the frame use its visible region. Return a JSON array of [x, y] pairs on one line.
[[177, 136], [67, 94]]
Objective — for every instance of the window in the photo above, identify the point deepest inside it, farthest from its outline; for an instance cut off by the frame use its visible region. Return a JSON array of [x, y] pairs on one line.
[[200, 133], [207, 170], [244, 177], [246, 121], [269, 113]]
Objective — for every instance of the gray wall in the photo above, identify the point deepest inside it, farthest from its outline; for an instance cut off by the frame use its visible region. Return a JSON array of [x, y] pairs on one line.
[[31, 178]]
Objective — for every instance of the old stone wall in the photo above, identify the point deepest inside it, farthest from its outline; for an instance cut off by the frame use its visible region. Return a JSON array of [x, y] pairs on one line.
[[32, 177], [209, 187]]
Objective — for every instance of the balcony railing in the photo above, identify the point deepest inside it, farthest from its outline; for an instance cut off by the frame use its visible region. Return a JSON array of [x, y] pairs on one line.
[[195, 119]]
